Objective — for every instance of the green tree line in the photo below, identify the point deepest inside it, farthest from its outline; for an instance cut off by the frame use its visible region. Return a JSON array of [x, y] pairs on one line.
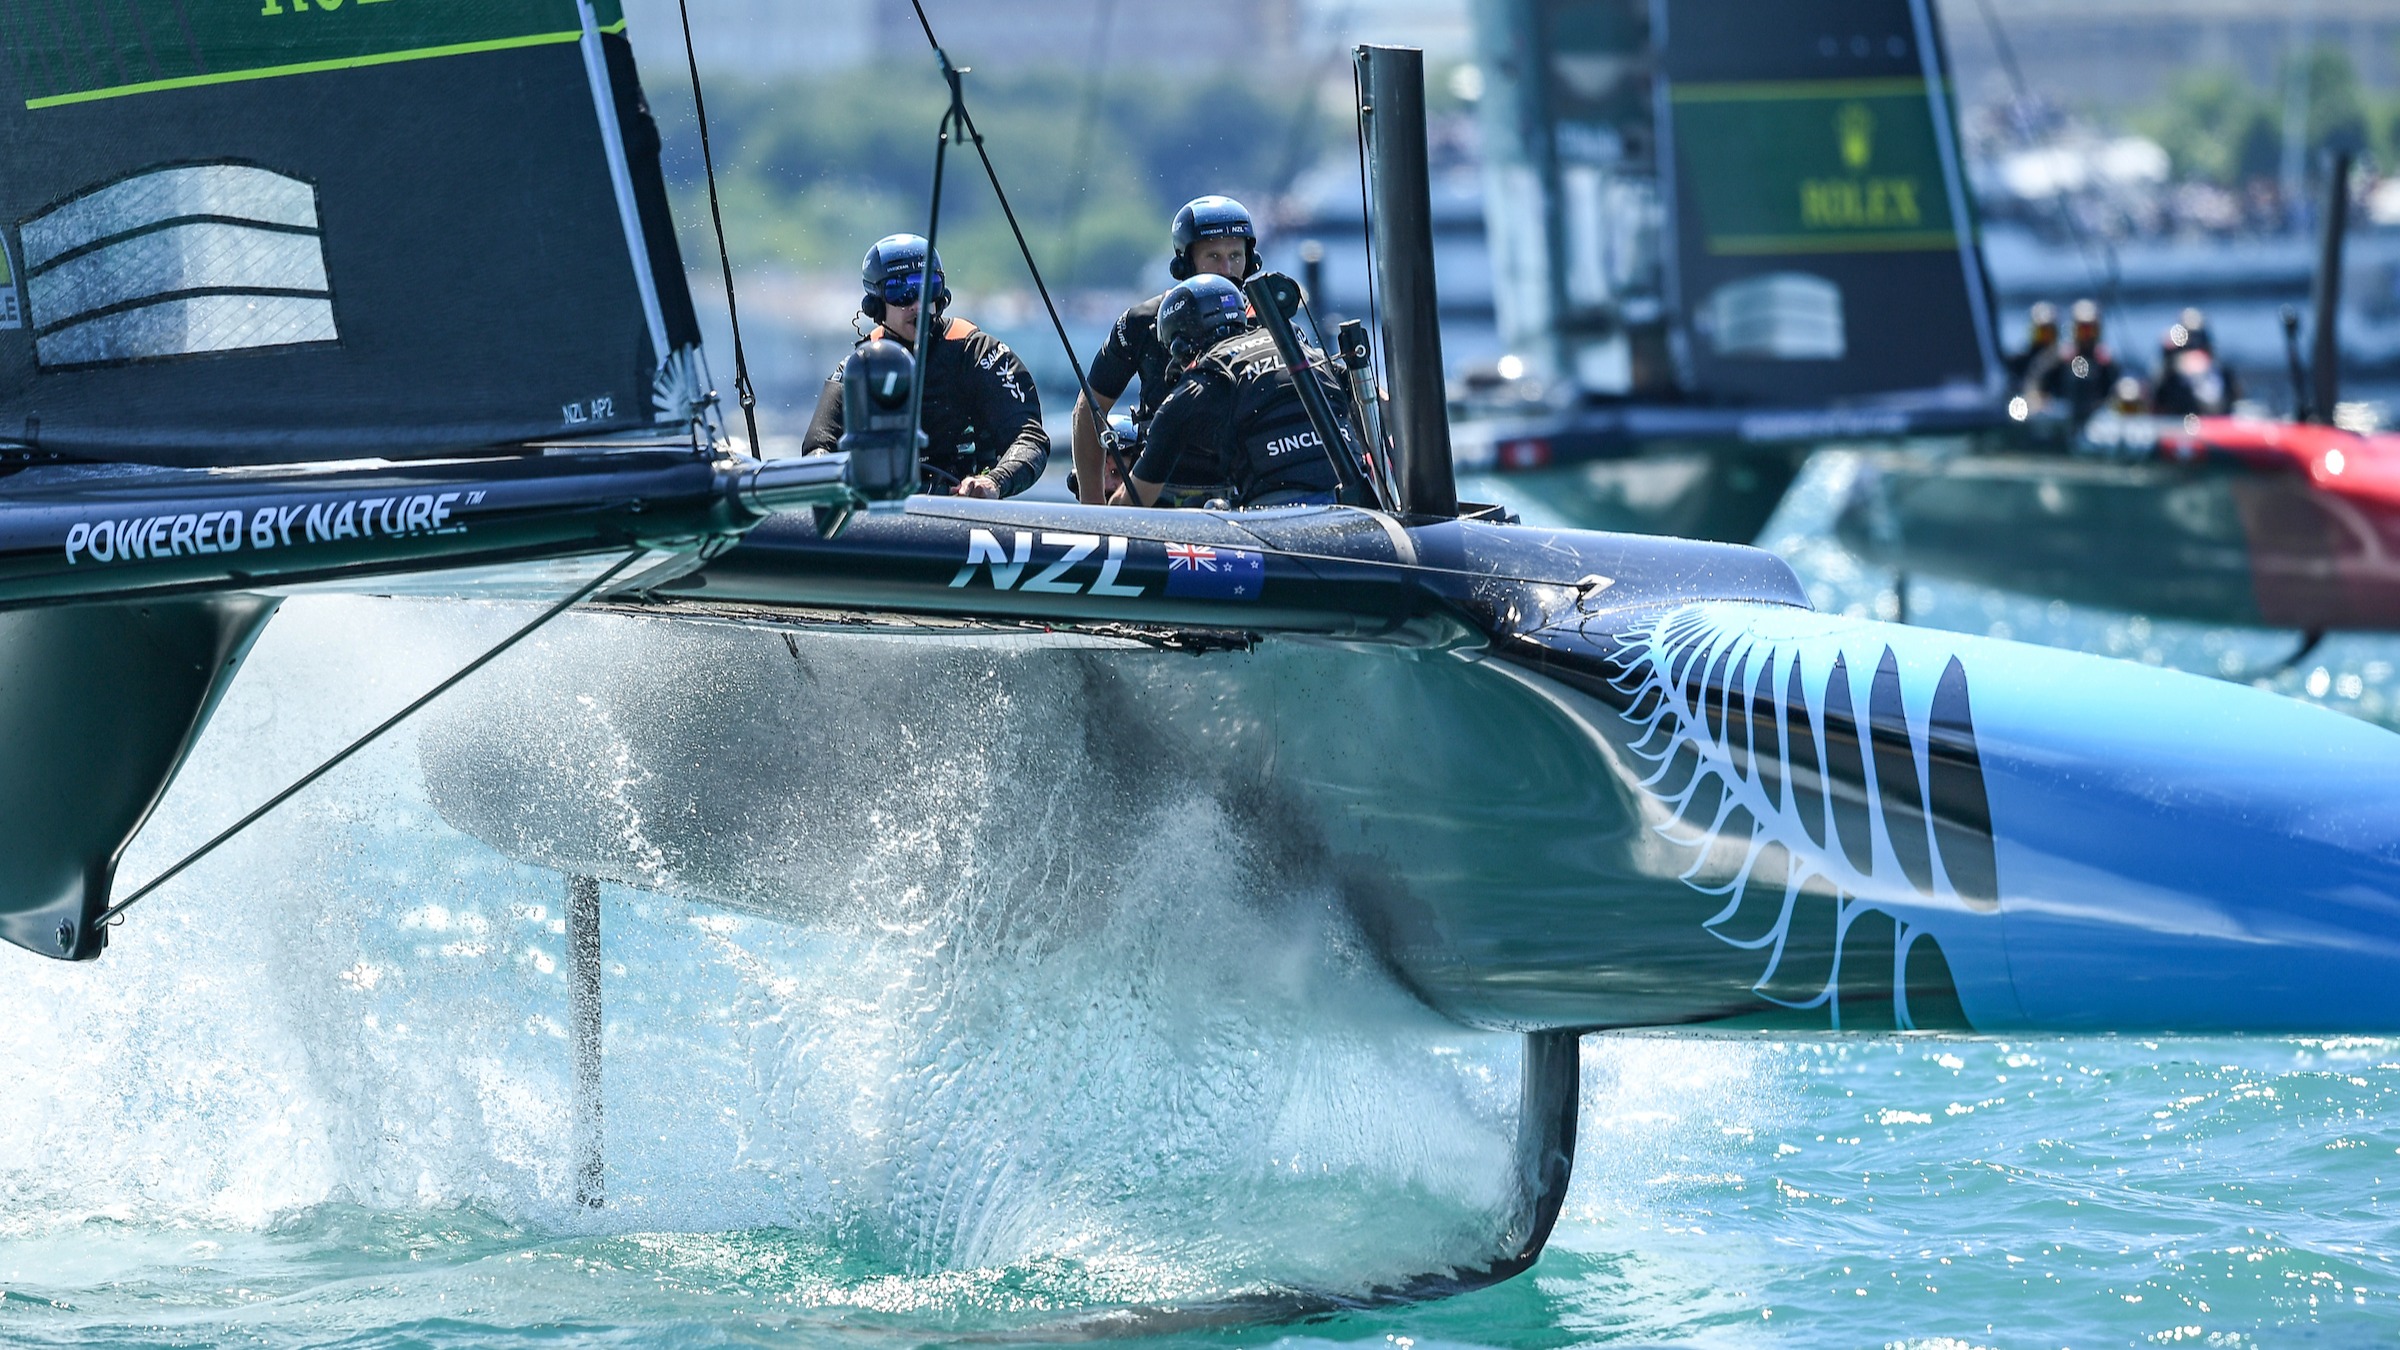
[[813, 170], [2218, 127]]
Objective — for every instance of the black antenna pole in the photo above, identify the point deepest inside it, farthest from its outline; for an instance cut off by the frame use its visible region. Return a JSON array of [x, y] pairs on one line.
[[2325, 292], [716, 218], [2291, 361], [933, 230], [1400, 222]]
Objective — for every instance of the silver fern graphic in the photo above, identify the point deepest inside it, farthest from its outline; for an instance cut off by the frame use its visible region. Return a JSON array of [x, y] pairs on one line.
[[1827, 824]]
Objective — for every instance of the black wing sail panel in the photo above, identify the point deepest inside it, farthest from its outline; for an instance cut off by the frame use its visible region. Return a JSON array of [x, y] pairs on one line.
[[286, 230], [1823, 245]]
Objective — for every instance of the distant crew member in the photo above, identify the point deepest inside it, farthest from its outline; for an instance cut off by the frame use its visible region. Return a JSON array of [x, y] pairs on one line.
[[2191, 382], [982, 418], [2041, 337], [2128, 399], [2082, 379], [1213, 236], [1235, 407]]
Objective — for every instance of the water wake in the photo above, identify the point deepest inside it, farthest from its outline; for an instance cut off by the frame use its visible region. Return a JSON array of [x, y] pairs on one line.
[[994, 1077]]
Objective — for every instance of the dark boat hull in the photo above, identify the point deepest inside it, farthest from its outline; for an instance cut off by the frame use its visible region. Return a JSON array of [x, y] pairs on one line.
[[2202, 543], [1668, 795]]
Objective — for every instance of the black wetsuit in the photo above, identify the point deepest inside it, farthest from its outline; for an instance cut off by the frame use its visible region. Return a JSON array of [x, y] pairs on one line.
[[2193, 387], [1133, 351], [2080, 380], [1238, 410], [2019, 365], [981, 413]]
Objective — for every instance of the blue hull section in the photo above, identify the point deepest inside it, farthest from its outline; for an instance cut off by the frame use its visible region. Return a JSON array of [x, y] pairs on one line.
[[2089, 844]]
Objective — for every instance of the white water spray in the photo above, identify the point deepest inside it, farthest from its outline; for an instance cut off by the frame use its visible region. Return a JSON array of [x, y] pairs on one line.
[[1171, 1070]]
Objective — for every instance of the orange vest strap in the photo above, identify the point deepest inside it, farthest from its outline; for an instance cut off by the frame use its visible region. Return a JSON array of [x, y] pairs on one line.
[[956, 330]]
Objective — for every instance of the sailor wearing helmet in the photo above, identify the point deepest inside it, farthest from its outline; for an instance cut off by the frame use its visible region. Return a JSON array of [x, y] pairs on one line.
[[1234, 409], [1213, 236], [982, 418]]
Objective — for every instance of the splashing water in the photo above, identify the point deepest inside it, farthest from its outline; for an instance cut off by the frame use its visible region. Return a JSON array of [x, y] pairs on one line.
[[342, 1038]]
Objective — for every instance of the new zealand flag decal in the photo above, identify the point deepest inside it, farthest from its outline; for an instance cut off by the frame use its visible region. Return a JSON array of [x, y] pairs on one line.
[[1203, 573]]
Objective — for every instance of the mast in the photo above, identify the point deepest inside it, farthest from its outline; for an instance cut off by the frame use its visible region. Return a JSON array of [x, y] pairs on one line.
[[2325, 293], [1391, 83]]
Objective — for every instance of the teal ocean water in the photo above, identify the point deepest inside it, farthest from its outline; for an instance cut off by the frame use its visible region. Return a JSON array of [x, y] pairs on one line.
[[317, 1094]]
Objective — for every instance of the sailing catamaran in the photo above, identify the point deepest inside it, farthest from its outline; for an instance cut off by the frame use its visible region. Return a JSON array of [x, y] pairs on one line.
[[1723, 233], [2211, 519], [1562, 780]]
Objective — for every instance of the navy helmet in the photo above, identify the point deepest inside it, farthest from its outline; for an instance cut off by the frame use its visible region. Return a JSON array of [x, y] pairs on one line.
[[1210, 218], [1200, 312], [896, 272]]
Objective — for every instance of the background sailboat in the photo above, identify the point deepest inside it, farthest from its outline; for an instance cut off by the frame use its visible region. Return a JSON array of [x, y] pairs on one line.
[[1724, 233]]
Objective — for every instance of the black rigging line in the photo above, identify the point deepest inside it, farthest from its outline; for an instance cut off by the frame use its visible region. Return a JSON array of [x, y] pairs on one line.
[[958, 114], [489, 655], [716, 218], [926, 316], [1304, 113]]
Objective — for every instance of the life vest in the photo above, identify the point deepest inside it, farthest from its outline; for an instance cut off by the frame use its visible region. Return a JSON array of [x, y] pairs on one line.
[[1274, 449], [953, 330], [955, 447]]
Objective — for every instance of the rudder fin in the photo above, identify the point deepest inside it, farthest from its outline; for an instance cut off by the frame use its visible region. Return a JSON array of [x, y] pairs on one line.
[[99, 704]]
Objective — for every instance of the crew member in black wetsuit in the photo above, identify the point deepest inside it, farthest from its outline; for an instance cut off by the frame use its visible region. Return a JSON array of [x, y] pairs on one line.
[[2083, 374], [982, 419], [2041, 339], [1212, 236], [1234, 405], [2191, 381]]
